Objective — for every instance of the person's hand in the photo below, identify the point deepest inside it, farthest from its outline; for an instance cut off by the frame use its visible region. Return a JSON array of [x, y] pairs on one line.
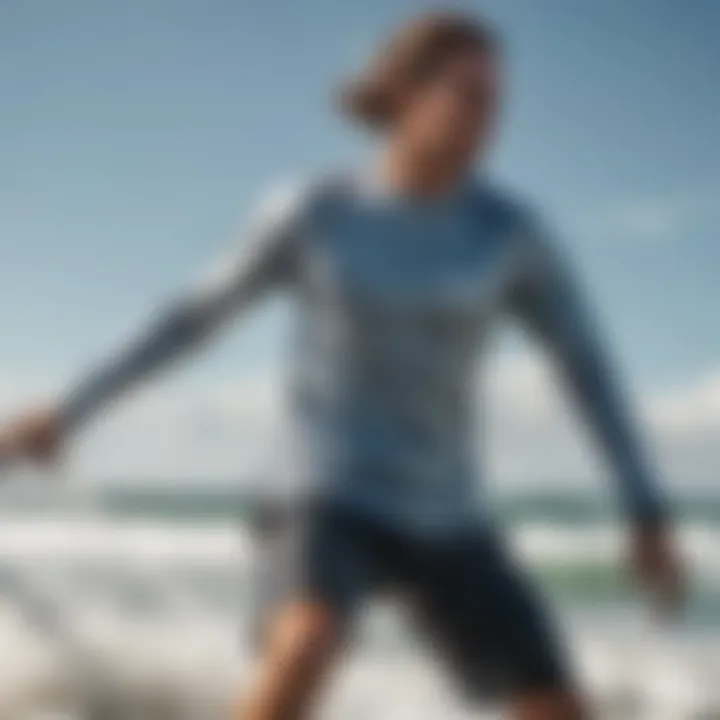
[[34, 435], [659, 567]]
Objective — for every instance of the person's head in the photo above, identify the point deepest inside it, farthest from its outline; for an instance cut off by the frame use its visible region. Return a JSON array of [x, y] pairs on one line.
[[434, 85]]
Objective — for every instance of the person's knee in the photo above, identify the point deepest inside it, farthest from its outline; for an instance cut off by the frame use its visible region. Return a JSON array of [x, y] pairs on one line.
[[304, 635], [550, 705]]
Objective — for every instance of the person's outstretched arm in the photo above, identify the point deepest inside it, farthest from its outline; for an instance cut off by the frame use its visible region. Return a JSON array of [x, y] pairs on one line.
[[264, 258], [548, 302]]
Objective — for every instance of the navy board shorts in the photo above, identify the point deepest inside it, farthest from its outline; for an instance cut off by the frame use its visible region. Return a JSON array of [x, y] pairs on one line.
[[464, 592]]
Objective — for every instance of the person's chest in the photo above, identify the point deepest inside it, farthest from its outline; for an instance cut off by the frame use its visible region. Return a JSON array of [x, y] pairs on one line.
[[403, 263]]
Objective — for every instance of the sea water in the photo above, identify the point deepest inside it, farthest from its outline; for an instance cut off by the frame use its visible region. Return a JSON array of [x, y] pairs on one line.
[[134, 608]]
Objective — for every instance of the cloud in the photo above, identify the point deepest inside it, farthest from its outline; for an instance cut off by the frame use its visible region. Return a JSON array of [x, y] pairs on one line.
[[686, 422], [176, 432], [643, 218], [535, 434], [528, 432], [651, 219], [660, 218]]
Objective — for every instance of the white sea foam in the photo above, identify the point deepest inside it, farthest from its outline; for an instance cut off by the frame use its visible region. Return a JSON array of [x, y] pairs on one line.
[[143, 618]]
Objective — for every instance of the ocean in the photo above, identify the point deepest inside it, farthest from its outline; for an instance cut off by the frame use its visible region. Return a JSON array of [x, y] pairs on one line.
[[128, 603]]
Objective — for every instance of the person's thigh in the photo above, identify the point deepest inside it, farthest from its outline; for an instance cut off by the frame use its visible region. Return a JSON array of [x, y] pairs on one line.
[[490, 626], [310, 555], [313, 568]]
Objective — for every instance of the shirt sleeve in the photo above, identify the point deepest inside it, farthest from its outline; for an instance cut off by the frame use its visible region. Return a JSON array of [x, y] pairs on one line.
[[549, 303], [265, 258]]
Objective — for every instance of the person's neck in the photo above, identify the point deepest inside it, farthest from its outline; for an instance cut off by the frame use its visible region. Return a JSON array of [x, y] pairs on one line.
[[406, 172]]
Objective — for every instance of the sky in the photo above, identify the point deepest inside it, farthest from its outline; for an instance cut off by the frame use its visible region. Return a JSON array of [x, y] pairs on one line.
[[135, 136]]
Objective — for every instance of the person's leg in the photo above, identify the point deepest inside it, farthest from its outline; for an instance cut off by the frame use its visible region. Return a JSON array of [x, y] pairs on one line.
[[491, 627], [548, 705], [301, 642], [313, 564]]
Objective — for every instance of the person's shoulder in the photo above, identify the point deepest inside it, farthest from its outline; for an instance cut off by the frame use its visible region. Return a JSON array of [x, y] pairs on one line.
[[520, 224], [503, 205], [298, 199], [284, 199]]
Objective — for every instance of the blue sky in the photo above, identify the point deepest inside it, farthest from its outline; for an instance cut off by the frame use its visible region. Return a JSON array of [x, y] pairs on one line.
[[134, 136]]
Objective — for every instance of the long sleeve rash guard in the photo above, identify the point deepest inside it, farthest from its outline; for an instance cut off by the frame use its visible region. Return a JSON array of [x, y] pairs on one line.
[[394, 300]]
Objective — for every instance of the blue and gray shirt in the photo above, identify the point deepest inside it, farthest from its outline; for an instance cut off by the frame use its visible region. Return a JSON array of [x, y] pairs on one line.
[[395, 297]]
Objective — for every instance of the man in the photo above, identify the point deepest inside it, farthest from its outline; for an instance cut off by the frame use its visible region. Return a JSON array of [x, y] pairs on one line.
[[399, 271]]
